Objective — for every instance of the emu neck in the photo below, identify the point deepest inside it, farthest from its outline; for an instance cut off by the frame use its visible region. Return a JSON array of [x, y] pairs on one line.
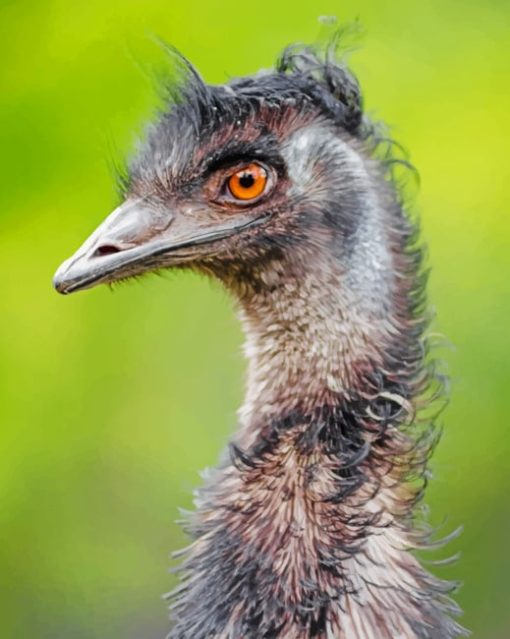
[[305, 530], [311, 340]]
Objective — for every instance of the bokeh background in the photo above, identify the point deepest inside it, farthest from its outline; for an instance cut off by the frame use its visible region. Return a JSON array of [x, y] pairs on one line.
[[111, 403]]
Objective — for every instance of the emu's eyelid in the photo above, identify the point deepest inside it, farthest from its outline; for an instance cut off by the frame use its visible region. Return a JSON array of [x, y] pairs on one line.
[[244, 153], [224, 163]]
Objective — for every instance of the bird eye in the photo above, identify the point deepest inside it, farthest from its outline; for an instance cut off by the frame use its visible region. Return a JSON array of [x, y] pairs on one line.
[[248, 183]]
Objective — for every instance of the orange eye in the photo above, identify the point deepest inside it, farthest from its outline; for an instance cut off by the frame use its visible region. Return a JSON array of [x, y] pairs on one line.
[[248, 183]]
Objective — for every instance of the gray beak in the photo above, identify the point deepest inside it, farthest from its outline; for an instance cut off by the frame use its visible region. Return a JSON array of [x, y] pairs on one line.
[[137, 238], [122, 240]]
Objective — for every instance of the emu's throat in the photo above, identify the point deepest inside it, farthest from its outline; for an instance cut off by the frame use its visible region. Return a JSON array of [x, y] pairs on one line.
[[311, 338]]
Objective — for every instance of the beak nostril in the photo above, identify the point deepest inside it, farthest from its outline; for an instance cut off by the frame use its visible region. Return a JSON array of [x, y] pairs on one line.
[[106, 249]]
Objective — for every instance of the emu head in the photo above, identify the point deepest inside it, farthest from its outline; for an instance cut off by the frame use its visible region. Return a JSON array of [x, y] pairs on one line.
[[266, 170]]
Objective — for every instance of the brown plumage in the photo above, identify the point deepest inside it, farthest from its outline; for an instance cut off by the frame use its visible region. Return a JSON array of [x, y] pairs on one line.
[[276, 185]]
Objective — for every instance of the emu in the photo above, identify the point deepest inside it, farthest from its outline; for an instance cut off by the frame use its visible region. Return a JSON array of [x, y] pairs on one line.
[[276, 186]]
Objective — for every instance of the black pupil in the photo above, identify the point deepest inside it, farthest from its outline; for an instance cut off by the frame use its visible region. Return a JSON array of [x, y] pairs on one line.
[[247, 180]]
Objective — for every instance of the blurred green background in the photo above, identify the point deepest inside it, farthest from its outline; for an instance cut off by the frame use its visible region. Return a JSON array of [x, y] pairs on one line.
[[111, 403]]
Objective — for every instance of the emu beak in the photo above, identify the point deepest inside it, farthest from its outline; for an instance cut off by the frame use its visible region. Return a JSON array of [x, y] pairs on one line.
[[137, 238]]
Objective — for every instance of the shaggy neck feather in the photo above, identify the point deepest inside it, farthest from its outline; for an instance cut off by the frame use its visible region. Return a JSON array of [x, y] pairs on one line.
[[309, 341]]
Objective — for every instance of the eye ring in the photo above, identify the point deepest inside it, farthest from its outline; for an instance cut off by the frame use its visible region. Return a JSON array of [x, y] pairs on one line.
[[248, 183]]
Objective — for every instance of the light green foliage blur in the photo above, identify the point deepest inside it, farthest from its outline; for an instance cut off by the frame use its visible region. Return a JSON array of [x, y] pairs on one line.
[[110, 403]]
